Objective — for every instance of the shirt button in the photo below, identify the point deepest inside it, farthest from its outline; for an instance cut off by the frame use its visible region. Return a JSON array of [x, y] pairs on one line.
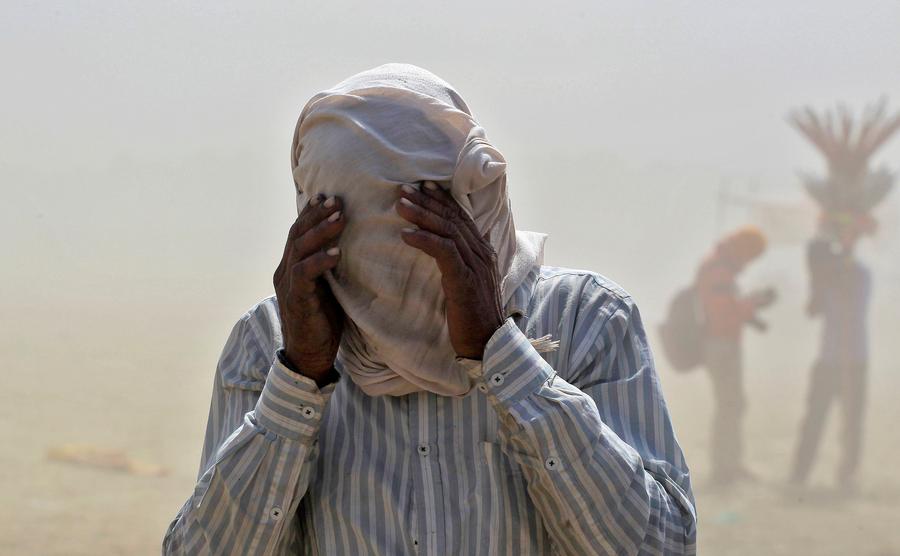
[[483, 388], [275, 513], [309, 412], [497, 379], [424, 449], [551, 463]]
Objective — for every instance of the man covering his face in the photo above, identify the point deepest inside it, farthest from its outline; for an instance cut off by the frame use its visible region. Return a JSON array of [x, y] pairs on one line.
[[420, 383]]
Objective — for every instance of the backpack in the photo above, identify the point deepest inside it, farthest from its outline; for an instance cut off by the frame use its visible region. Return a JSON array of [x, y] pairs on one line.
[[682, 332]]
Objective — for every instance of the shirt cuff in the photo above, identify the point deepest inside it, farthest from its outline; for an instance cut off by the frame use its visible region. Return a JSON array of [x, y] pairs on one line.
[[291, 405], [511, 368]]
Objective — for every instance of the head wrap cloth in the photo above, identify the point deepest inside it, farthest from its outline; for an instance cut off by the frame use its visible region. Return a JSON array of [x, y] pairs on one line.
[[399, 124]]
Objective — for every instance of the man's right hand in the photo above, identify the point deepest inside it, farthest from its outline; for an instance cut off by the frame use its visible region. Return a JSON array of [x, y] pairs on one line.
[[311, 318]]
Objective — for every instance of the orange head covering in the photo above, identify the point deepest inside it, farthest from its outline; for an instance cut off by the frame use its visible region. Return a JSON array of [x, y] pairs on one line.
[[742, 245]]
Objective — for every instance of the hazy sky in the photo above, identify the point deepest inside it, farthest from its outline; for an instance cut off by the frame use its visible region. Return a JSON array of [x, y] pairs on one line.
[[697, 82], [146, 195], [143, 142]]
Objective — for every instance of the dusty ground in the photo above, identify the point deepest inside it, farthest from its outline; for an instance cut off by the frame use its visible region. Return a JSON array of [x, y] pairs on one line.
[[152, 403]]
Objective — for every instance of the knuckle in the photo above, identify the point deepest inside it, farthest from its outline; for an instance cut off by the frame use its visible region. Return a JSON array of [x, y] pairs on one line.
[[414, 209], [299, 269], [302, 227], [448, 212], [419, 198], [301, 247], [314, 236], [448, 229], [315, 212], [309, 268]]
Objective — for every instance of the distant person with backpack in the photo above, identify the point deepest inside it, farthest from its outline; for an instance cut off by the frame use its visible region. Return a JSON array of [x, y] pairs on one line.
[[725, 312]]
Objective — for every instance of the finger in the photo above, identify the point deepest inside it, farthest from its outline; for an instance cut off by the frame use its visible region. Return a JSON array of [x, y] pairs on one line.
[[438, 225], [425, 218], [320, 236], [446, 217], [443, 250], [439, 201], [479, 244], [311, 214], [299, 225], [439, 194], [305, 273], [428, 202], [319, 208], [314, 202], [288, 247], [449, 208]]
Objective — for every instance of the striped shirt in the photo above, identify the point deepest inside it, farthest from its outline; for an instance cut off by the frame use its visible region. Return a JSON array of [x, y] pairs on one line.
[[566, 452]]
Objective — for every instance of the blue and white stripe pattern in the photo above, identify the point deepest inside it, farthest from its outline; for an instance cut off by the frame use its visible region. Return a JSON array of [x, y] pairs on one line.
[[566, 452]]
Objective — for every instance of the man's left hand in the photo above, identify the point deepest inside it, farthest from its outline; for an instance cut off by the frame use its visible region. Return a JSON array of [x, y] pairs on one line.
[[466, 259]]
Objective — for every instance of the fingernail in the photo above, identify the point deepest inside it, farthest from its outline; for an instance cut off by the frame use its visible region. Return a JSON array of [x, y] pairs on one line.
[[316, 199], [333, 251], [405, 201], [408, 188], [409, 230], [334, 216], [430, 185], [329, 203]]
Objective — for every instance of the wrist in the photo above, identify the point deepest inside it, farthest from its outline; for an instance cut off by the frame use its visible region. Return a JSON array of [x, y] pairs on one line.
[[496, 324], [477, 352], [320, 374]]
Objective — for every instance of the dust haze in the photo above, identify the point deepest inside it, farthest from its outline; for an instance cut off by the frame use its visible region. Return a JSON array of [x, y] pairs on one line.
[[147, 194]]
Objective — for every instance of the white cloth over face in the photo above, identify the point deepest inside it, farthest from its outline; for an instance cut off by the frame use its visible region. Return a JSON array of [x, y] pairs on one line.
[[360, 140]]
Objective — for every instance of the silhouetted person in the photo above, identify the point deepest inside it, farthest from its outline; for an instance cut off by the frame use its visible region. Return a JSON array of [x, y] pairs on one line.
[[725, 313], [840, 287], [839, 284]]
